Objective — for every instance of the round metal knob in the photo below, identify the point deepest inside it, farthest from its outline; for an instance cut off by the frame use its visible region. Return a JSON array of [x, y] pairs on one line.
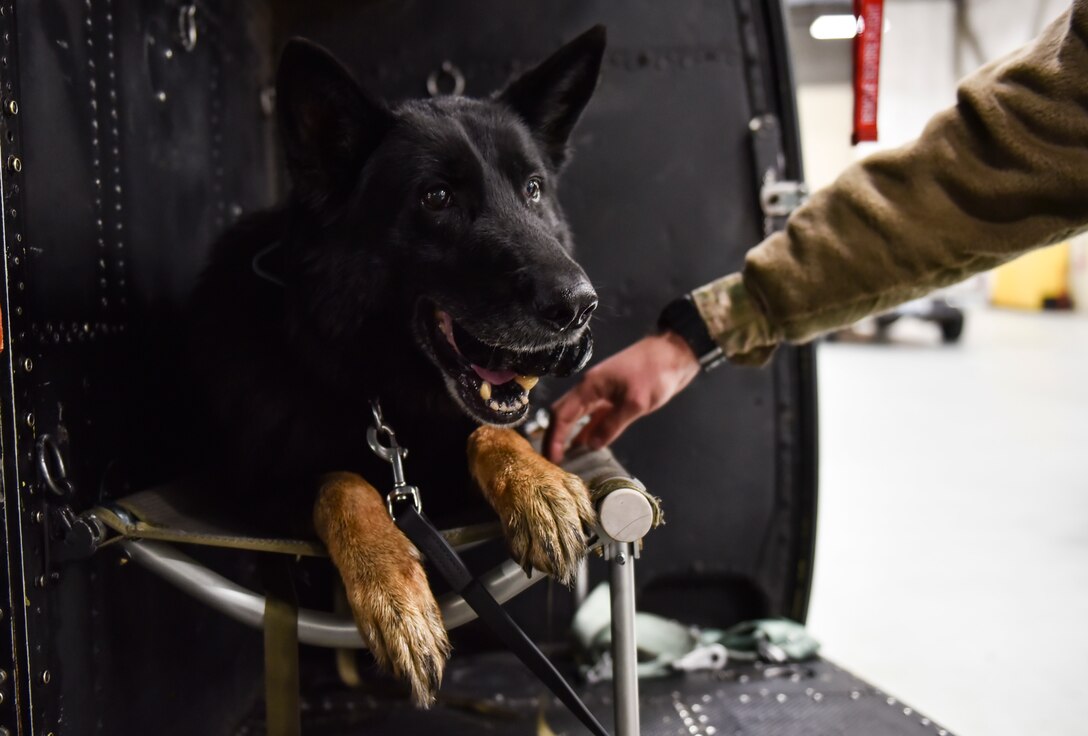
[[626, 515]]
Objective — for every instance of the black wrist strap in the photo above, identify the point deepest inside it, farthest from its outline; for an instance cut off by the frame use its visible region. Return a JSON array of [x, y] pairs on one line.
[[682, 317], [452, 569]]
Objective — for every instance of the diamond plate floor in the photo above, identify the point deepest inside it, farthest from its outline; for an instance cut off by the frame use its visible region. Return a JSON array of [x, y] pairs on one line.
[[493, 694]]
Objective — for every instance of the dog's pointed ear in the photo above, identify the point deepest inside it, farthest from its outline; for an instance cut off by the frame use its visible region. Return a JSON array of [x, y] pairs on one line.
[[329, 125], [550, 97]]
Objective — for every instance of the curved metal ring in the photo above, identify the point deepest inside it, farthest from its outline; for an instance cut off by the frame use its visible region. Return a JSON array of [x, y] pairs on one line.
[[187, 27], [317, 628], [380, 427], [385, 453], [48, 450], [450, 70]]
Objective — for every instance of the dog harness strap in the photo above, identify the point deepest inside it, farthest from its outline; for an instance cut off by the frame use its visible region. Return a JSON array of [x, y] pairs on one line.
[[453, 570], [407, 512], [440, 554]]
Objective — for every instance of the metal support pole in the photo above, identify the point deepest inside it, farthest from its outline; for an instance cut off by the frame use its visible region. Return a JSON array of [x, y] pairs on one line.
[[581, 582], [625, 515], [624, 643]]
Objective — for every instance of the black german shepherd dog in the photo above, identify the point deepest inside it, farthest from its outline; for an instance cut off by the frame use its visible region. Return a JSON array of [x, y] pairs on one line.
[[421, 259]]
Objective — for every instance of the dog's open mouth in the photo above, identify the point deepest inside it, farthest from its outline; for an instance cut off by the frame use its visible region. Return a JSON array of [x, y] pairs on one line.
[[493, 382]]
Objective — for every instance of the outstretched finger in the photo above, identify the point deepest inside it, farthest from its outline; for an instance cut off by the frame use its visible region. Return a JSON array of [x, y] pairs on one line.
[[566, 412], [607, 426], [595, 418]]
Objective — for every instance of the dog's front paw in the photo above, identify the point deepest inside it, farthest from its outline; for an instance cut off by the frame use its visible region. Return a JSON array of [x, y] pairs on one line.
[[400, 622], [397, 615], [544, 510]]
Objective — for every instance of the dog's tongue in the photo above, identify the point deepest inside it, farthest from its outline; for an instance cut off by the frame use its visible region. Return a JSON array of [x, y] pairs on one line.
[[495, 378]]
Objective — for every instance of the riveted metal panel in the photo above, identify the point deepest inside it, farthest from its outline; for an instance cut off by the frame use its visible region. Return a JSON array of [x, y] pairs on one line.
[[143, 130], [135, 148], [494, 694]]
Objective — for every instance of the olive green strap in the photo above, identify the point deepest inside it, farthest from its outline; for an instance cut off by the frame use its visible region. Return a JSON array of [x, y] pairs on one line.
[[281, 679], [142, 516], [192, 533]]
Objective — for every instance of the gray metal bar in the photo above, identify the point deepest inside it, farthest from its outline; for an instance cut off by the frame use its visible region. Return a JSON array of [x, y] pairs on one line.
[[319, 628], [625, 515], [316, 628], [581, 583], [624, 642]]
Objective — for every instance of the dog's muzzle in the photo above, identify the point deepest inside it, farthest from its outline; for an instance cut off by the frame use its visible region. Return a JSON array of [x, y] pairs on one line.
[[492, 382]]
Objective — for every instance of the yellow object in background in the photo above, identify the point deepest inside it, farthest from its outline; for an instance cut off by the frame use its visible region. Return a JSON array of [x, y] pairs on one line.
[[1031, 279], [1078, 271]]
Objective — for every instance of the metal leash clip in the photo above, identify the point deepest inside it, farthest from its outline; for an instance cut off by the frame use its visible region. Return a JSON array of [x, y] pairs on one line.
[[393, 454]]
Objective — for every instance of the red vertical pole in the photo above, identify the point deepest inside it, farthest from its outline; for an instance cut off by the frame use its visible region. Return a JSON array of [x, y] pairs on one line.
[[870, 15]]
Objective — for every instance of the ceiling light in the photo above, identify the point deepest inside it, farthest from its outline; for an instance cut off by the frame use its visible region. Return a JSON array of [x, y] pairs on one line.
[[829, 27]]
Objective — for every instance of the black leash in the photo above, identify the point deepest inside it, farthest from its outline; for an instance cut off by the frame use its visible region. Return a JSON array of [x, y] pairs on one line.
[[449, 565], [406, 509]]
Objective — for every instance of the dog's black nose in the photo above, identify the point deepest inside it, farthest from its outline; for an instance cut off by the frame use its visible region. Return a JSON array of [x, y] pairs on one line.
[[569, 309]]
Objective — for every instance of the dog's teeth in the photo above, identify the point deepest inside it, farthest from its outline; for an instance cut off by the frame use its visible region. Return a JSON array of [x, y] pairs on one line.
[[523, 399], [527, 382], [494, 405], [485, 391]]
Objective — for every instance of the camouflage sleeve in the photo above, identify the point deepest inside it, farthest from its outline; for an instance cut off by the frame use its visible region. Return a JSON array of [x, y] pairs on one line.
[[1004, 171], [736, 324]]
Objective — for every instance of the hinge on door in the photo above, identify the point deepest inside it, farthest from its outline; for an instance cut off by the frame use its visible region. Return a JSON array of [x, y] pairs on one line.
[[781, 198], [778, 196]]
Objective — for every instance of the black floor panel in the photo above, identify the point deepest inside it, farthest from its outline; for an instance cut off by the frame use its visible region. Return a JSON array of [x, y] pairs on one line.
[[494, 694]]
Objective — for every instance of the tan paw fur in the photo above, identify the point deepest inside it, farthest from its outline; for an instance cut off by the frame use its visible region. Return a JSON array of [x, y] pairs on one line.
[[544, 510], [386, 587]]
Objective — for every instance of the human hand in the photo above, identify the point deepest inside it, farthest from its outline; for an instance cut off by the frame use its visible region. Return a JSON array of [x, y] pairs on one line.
[[634, 382]]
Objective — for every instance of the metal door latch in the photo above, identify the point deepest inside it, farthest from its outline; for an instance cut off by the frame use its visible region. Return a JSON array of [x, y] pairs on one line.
[[780, 198], [76, 537], [69, 536]]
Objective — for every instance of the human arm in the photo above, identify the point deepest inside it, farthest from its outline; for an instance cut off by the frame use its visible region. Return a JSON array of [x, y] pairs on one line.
[[1002, 172]]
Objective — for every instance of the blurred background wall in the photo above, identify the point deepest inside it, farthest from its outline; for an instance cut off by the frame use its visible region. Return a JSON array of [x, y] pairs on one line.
[[952, 559], [928, 45]]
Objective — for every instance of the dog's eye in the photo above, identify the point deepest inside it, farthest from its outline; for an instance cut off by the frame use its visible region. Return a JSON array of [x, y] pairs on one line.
[[436, 199], [532, 189]]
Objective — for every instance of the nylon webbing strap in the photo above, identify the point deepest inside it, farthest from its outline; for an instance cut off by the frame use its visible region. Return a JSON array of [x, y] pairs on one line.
[[281, 676], [449, 565]]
